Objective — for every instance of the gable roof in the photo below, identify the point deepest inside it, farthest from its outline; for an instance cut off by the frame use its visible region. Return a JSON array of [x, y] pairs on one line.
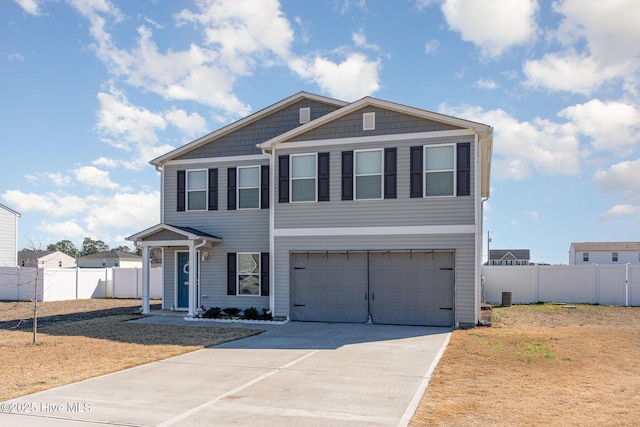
[[232, 127], [188, 232], [513, 254], [375, 102], [10, 210], [605, 246]]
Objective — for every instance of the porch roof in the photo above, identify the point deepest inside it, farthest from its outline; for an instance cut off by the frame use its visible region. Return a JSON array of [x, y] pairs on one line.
[[172, 235]]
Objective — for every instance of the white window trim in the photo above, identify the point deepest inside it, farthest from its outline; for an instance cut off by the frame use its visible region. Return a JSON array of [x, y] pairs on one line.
[[259, 274], [424, 170], [291, 178], [187, 191], [356, 174], [244, 188]]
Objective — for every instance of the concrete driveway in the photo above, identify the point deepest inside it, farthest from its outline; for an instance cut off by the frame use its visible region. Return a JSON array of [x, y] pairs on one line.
[[297, 374]]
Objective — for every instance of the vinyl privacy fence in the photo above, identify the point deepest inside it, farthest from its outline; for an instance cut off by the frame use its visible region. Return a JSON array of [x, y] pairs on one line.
[[59, 284], [579, 284]]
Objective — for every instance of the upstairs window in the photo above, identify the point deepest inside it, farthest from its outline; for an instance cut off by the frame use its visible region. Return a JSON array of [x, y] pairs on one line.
[[368, 174], [585, 257], [439, 173], [249, 187], [303, 178], [197, 190], [614, 256]]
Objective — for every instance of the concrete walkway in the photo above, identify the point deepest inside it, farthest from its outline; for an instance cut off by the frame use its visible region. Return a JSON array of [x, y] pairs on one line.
[[297, 374]]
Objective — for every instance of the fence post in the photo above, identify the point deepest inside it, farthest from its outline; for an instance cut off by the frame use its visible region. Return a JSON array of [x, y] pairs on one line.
[[626, 285], [537, 283], [77, 278]]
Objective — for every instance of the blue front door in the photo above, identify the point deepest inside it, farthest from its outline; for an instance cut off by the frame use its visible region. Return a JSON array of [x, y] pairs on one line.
[[183, 280]]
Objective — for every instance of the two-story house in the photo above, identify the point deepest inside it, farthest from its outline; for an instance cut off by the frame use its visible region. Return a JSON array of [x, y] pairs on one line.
[[509, 257], [581, 253], [8, 237], [322, 210]]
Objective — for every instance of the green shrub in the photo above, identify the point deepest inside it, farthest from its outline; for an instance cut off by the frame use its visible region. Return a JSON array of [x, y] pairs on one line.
[[251, 313], [232, 311], [212, 313]]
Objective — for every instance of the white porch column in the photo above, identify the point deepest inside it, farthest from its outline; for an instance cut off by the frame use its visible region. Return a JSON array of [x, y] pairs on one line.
[[146, 278], [193, 275]]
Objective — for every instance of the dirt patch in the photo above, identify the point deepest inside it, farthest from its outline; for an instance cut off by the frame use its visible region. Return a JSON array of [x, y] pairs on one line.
[[86, 338], [539, 365]]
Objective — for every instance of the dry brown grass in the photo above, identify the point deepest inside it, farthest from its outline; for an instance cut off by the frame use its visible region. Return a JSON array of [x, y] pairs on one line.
[[96, 340], [540, 365]]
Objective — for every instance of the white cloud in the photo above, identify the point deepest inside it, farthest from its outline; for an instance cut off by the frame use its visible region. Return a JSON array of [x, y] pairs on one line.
[[15, 57], [492, 25], [58, 179], [351, 79], [486, 84], [534, 215], [106, 162], [69, 230], [129, 211], [568, 72], [623, 177], [94, 177], [191, 124], [51, 203], [620, 210], [520, 148], [431, 47], [360, 40], [32, 7], [611, 125], [346, 6], [599, 46]]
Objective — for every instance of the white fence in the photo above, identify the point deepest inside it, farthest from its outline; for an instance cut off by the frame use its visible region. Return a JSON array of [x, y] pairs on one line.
[[58, 284], [588, 284]]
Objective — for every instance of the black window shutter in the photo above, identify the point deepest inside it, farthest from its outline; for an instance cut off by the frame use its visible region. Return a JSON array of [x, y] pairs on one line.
[[231, 189], [264, 274], [347, 175], [182, 193], [323, 177], [213, 189], [390, 167], [283, 179], [231, 273], [416, 172], [463, 169], [264, 187]]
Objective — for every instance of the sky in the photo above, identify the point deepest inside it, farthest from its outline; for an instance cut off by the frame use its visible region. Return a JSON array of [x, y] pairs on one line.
[[92, 90]]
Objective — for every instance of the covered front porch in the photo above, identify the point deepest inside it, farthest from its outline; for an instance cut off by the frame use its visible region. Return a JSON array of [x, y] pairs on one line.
[[195, 244]]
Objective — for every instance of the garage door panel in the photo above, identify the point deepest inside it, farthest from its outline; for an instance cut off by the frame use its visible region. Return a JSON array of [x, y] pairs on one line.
[[329, 287], [412, 288]]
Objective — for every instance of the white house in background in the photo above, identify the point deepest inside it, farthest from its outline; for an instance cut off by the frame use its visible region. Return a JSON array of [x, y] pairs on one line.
[[509, 257], [110, 259], [604, 253], [46, 259], [8, 237]]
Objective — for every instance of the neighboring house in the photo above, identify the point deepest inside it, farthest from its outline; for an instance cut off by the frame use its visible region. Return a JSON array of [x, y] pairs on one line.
[[322, 210], [509, 257], [604, 253], [46, 259], [8, 237], [110, 259]]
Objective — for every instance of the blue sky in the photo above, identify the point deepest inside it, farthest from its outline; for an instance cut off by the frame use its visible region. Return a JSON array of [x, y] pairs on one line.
[[91, 90]]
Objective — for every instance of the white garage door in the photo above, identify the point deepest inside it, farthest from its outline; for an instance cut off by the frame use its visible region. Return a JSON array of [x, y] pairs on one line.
[[390, 287]]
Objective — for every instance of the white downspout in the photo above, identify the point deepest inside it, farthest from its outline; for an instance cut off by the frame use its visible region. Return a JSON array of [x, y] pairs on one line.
[[161, 170]]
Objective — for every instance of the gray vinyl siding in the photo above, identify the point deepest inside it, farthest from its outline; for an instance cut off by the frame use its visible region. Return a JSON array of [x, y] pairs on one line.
[[402, 211], [243, 141], [165, 235], [8, 232], [462, 244], [387, 123], [241, 231]]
